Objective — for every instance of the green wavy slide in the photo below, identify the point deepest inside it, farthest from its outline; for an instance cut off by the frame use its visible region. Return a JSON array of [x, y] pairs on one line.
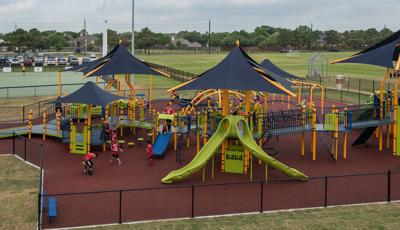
[[229, 128]]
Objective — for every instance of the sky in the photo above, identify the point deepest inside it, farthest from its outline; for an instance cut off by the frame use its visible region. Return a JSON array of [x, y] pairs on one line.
[[170, 16]]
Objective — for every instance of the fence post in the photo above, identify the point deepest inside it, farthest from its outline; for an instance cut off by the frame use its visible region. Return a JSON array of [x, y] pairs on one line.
[[261, 196], [23, 114], [359, 91], [120, 207], [13, 143], [24, 149], [192, 201], [39, 224], [326, 192], [389, 192]]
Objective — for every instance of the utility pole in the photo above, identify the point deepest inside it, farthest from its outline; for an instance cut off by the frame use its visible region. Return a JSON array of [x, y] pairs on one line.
[[84, 36], [209, 36], [104, 31], [133, 28]]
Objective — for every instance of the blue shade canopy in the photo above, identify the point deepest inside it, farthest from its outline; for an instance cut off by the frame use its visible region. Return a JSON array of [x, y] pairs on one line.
[[381, 54], [91, 94], [118, 61], [237, 71], [271, 67]]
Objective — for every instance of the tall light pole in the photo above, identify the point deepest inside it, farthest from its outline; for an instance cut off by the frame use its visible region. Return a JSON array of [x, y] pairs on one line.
[[133, 27], [104, 31]]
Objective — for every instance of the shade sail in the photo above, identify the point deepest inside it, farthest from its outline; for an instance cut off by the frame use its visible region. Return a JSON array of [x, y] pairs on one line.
[[237, 71], [91, 94], [118, 61], [271, 67], [381, 54]]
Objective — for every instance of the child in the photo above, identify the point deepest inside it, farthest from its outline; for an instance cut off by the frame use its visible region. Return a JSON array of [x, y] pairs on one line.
[[115, 149], [165, 127], [149, 151], [88, 163]]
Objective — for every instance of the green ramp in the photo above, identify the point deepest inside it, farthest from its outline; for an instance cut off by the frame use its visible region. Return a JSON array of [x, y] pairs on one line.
[[228, 128]]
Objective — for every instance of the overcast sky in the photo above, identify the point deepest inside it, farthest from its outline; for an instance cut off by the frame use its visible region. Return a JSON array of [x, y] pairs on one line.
[[176, 15]]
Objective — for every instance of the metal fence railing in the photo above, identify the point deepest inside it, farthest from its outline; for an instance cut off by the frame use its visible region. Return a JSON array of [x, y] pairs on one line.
[[127, 205]]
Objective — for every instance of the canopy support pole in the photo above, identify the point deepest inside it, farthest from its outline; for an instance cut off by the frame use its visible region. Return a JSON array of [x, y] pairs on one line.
[[59, 83], [89, 121]]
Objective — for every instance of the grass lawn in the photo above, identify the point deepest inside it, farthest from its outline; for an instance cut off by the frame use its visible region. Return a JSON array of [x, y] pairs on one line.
[[198, 63], [373, 216], [18, 194]]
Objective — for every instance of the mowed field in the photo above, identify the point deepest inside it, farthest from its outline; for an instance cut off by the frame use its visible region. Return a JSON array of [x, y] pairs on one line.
[[294, 63], [198, 63]]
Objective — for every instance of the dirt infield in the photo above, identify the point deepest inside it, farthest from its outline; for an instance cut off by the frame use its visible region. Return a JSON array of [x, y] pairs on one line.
[[133, 191]]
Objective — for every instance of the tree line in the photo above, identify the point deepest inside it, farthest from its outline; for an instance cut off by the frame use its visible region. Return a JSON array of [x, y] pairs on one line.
[[263, 37]]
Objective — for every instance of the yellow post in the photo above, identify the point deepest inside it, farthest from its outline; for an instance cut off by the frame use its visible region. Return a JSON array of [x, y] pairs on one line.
[[247, 111], [89, 121], [44, 125], [78, 113], [314, 134], [381, 96], [58, 117], [175, 133], [225, 101], [70, 136], [336, 134], [345, 136], [288, 102], [299, 95], [273, 98], [198, 134], [265, 102], [322, 98], [30, 124], [59, 83], [388, 125], [395, 106], [97, 80], [150, 91], [303, 121], [121, 121]]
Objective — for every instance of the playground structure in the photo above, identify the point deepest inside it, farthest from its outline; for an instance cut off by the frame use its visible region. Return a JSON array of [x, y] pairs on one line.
[[232, 118]]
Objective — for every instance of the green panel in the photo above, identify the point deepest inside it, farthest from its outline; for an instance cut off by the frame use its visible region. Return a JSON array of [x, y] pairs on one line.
[[163, 116], [234, 161], [330, 122]]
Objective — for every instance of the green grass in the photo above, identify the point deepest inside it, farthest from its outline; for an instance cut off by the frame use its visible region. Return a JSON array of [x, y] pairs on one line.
[[373, 216], [18, 194], [198, 63]]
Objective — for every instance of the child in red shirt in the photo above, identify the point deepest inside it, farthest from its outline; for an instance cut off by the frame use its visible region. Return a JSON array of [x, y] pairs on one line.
[[149, 151], [88, 163], [115, 149]]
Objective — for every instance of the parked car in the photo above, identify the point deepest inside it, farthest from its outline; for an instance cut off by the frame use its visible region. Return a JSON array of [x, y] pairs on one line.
[[15, 62], [4, 61], [39, 61], [86, 60], [62, 61], [31, 56], [92, 57], [51, 61], [20, 58], [73, 61], [28, 62]]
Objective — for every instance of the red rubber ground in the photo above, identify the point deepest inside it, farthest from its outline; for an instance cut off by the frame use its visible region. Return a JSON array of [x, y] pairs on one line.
[[63, 174]]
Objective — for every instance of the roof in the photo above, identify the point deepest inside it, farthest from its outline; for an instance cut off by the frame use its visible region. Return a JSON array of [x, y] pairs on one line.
[[237, 71], [381, 54], [271, 67], [118, 61], [186, 43], [91, 94]]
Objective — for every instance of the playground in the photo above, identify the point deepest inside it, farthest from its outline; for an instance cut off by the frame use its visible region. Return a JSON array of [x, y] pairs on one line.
[[240, 137]]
